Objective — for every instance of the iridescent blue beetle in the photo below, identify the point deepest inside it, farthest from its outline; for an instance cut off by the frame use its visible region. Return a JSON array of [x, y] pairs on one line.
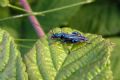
[[57, 35], [76, 33], [74, 37]]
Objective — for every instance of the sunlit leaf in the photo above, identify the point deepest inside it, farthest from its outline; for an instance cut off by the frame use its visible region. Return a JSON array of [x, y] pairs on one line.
[[12, 26], [4, 3], [11, 65], [53, 60]]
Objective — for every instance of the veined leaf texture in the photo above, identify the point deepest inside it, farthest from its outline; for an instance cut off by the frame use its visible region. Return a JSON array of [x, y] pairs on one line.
[[11, 64], [52, 60]]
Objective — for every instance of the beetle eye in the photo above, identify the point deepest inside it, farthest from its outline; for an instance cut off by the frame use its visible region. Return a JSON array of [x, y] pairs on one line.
[[76, 40], [74, 32], [63, 35]]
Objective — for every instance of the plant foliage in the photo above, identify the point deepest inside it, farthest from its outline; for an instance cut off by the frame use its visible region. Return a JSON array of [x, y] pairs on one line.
[[4, 3], [50, 59], [99, 17], [115, 58], [53, 60], [11, 65], [57, 18]]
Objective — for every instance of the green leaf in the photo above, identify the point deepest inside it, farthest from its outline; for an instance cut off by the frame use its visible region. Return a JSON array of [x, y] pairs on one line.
[[11, 65], [101, 17], [4, 12], [51, 59], [115, 58], [4, 3], [12, 26]]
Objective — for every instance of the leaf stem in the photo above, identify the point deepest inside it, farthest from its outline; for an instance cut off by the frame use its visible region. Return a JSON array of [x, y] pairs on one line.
[[48, 11], [64, 7], [25, 40], [15, 7], [33, 19]]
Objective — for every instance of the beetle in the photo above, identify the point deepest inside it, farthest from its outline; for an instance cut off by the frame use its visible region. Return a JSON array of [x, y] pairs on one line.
[[63, 35], [74, 37]]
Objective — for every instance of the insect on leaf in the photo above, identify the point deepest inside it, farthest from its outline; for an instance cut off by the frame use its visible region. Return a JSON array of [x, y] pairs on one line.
[[55, 18], [51, 59]]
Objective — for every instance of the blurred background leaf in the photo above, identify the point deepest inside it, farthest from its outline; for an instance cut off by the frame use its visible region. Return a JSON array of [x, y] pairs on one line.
[[13, 26], [115, 58], [101, 17], [11, 65]]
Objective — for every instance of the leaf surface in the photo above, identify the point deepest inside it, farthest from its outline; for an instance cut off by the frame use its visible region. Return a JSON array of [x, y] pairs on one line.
[[51, 59], [11, 65]]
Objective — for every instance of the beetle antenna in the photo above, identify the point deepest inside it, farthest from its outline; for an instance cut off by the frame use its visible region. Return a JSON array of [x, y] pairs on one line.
[[61, 30], [51, 31]]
